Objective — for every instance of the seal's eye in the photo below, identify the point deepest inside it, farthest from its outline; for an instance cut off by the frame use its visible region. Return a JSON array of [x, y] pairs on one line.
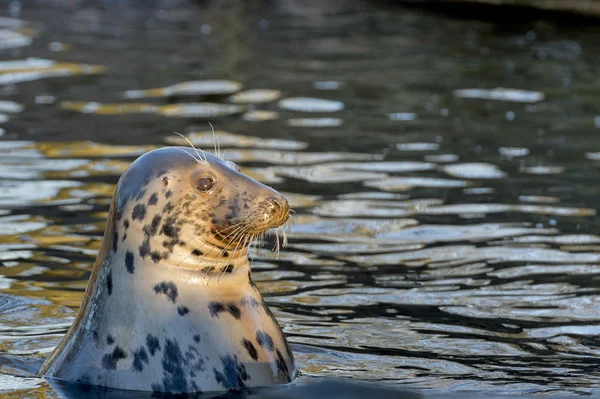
[[205, 183]]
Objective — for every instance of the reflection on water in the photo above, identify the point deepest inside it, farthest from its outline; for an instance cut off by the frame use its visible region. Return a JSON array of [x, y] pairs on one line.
[[443, 174]]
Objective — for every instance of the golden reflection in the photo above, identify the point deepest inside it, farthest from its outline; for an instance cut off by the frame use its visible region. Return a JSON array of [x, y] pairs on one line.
[[81, 149], [12, 72], [107, 108]]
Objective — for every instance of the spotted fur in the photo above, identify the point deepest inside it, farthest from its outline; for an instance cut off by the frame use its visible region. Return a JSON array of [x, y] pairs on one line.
[[176, 308]]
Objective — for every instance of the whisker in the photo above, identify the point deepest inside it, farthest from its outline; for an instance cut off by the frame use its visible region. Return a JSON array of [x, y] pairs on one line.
[[192, 145], [217, 144], [194, 158]]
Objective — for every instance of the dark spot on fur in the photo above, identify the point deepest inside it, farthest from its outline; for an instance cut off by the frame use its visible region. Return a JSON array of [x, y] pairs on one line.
[[152, 343], [139, 212], [95, 335], [109, 283], [281, 365], [234, 310], [109, 360], [115, 241], [170, 244], [174, 379], [167, 288], [170, 228], [151, 229], [126, 224], [139, 358], [234, 374], [197, 252], [156, 256], [249, 301], [250, 348], [140, 195], [215, 308], [208, 269], [119, 213], [165, 180], [124, 237], [168, 208], [194, 362], [197, 338], [182, 310], [145, 248], [153, 199], [168, 194], [109, 339], [129, 261], [225, 254], [228, 269], [265, 340]]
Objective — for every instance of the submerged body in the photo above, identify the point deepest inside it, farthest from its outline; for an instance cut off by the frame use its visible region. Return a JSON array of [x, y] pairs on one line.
[[171, 305]]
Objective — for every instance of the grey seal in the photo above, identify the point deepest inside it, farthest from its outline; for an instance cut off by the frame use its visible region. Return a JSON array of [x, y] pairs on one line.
[[171, 305]]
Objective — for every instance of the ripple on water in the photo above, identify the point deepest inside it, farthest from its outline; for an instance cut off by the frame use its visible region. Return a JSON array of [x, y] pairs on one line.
[[417, 146], [10, 39], [181, 110], [408, 183], [295, 158], [19, 224], [255, 96], [36, 168], [513, 152], [192, 88], [10, 106], [208, 139], [79, 149], [314, 122], [394, 279], [340, 172], [474, 170], [441, 158], [307, 104], [200, 110], [542, 170], [17, 194], [260, 116], [345, 208], [18, 71], [501, 94]]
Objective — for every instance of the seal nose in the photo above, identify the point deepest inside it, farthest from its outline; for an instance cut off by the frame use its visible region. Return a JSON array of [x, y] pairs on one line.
[[280, 209]]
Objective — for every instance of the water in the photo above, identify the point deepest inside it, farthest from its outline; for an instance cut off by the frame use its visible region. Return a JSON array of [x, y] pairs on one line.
[[445, 237]]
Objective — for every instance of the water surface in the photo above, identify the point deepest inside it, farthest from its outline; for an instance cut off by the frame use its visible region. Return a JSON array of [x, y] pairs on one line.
[[445, 235]]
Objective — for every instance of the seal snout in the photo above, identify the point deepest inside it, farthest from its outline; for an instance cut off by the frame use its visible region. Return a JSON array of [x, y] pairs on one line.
[[279, 209]]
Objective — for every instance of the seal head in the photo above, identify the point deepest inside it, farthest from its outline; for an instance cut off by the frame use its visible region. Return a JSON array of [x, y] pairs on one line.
[[171, 305]]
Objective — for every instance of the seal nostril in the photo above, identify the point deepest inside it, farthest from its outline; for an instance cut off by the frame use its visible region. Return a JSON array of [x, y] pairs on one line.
[[274, 205], [278, 206]]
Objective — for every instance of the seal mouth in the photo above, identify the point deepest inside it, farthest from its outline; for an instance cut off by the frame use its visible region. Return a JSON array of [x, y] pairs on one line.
[[230, 240], [271, 214]]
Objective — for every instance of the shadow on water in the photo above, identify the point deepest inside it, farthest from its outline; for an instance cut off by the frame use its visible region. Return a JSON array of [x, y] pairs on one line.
[[443, 172]]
